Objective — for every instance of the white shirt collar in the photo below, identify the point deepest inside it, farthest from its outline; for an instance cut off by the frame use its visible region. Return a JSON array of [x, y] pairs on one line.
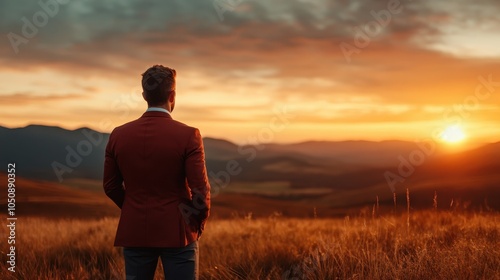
[[157, 109]]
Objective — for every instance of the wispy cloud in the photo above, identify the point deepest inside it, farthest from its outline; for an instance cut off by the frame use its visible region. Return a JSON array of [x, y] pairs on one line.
[[23, 98], [261, 54]]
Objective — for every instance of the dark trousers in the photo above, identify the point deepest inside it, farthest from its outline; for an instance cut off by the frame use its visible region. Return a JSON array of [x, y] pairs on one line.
[[178, 263]]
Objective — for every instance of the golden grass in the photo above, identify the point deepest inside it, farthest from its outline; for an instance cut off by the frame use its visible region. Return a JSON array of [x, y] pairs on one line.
[[436, 245]]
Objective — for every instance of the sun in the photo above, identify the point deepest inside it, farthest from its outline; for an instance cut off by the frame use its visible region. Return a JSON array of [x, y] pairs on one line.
[[453, 134]]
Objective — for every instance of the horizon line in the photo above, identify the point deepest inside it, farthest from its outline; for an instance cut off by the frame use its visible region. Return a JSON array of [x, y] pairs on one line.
[[476, 144]]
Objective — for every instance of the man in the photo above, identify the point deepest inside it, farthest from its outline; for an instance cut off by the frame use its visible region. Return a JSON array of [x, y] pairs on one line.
[[155, 172]]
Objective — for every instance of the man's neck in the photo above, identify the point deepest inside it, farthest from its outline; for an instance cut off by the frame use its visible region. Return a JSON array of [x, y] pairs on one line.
[[164, 106], [158, 108]]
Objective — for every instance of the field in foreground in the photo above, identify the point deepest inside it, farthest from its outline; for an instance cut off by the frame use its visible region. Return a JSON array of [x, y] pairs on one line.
[[433, 246]]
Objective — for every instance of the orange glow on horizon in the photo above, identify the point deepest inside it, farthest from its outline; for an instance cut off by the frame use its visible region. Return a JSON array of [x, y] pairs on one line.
[[453, 134]]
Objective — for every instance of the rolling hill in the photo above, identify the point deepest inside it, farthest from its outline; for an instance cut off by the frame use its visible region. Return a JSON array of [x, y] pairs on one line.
[[330, 175]]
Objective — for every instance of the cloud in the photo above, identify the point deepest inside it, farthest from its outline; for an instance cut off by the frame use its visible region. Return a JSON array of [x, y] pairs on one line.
[[24, 98], [119, 37], [263, 53]]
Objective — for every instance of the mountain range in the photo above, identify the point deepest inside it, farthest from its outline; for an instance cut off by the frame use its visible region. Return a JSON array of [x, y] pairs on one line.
[[326, 174]]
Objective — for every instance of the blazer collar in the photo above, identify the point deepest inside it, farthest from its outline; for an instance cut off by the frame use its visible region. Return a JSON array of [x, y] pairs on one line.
[[156, 114]]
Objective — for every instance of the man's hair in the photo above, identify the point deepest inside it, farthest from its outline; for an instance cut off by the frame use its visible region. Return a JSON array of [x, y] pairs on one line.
[[157, 83]]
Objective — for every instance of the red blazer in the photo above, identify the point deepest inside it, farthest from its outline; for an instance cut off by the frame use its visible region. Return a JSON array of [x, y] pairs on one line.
[[154, 170]]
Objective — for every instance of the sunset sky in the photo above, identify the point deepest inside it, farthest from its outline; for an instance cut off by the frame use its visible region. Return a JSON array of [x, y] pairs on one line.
[[281, 71]]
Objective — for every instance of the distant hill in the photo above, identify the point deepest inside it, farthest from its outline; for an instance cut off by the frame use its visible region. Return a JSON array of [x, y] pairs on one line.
[[58, 201], [331, 174], [53, 200], [39, 150]]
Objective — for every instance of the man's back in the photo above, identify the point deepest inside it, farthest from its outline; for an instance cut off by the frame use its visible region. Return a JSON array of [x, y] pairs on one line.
[[154, 155]]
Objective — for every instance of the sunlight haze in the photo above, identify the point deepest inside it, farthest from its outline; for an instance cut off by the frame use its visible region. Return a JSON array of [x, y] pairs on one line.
[[426, 67]]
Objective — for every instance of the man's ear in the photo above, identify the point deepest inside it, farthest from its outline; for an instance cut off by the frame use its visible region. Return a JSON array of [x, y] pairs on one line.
[[171, 100], [144, 95], [171, 97]]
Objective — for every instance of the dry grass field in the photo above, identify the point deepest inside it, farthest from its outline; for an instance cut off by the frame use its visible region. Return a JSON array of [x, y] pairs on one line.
[[441, 245]]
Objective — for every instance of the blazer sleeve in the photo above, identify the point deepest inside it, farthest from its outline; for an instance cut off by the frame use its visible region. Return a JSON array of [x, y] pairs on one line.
[[196, 177], [113, 179]]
